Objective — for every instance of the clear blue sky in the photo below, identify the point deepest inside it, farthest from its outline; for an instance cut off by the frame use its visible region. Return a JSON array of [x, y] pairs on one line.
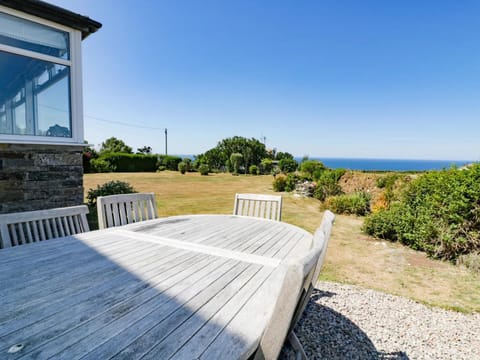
[[324, 78]]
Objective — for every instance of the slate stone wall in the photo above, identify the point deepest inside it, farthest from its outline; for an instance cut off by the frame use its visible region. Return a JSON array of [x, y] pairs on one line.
[[37, 177]]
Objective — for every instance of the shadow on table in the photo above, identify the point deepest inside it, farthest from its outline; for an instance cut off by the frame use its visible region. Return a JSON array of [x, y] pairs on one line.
[[327, 334]]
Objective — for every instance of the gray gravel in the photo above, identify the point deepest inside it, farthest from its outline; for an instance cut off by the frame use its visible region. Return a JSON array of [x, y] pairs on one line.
[[349, 322]]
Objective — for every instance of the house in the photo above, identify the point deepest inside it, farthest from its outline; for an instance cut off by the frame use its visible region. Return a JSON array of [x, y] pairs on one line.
[[41, 109]]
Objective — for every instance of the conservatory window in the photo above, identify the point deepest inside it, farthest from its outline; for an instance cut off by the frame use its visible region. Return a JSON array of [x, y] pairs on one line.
[[38, 81]]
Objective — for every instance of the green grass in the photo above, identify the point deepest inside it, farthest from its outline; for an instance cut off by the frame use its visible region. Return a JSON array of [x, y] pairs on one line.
[[352, 257]]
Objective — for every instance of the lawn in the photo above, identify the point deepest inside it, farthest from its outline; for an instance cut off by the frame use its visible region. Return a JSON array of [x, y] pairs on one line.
[[352, 257]]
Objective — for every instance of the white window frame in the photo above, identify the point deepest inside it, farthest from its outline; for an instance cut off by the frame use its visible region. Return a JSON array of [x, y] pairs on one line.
[[76, 95]]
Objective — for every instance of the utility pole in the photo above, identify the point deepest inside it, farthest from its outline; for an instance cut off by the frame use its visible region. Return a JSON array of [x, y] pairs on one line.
[[166, 147]]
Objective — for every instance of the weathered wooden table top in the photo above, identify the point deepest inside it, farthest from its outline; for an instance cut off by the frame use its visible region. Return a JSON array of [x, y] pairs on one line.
[[185, 287]]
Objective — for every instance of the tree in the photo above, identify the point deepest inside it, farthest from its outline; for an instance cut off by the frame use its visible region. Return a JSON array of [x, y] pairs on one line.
[[147, 150], [252, 151], [283, 155], [115, 145]]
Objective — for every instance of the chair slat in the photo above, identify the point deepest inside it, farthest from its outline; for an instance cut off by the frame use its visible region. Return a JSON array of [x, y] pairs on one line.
[[116, 210], [32, 226], [258, 205]]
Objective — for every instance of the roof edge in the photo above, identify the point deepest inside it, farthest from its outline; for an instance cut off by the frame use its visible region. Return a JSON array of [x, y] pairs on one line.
[[56, 14]]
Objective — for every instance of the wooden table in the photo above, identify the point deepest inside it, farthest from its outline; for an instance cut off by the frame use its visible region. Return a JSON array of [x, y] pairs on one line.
[[186, 287]]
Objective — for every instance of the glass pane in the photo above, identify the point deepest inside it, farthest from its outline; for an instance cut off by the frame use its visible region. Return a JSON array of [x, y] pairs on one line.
[[28, 35], [35, 97]]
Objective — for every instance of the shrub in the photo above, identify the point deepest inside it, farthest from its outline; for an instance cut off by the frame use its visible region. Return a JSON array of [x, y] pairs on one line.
[[253, 170], [169, 162], [287, 165], [266, 166], [101, 165], [387, 181], [327, 184], [203, 169], [279, 183], [182, 167], [113, 187], [354, 204], [438, 212], [311, 167]]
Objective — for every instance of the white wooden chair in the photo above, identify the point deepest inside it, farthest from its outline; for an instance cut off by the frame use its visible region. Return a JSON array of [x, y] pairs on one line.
[[300, 278], [117, 210], [32, 226], [258, 205]]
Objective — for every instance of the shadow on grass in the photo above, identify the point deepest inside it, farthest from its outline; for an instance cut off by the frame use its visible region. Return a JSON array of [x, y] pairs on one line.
[[327, 334]]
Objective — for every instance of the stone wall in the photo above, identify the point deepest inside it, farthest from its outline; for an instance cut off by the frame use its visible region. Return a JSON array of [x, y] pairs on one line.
[[37, 177]]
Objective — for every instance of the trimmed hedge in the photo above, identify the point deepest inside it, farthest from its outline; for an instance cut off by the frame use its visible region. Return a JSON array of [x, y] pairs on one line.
[[122, 162]]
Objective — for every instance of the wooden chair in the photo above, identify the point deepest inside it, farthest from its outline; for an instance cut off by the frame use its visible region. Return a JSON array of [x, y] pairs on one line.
[[32, 226], [300, 278], [117, 210], [257, 205]]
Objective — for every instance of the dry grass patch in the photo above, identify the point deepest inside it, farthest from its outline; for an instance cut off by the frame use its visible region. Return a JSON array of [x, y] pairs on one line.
[[352, 256]]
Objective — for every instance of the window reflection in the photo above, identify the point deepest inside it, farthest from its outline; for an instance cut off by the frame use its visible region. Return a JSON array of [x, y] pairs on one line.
[[35, 97], [25, 34]]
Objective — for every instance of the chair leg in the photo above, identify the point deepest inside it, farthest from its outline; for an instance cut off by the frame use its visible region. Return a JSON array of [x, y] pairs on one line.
[[297, 346]]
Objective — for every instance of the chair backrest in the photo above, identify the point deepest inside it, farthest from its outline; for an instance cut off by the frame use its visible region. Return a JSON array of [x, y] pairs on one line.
[[32, 226], [298, 275], [258, 205], [300, 278], [117, 210], [320, 240]]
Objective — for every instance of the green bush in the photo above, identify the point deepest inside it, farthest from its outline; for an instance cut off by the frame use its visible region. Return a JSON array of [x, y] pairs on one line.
[[327, 184], [253, 170], [101, 165], [387, 181], [109, 188], [287, 165], [353, 204], [169, 162], [182, 167], [203, 169], [279, 183], [266, 166], [122, 162], [438, 212], [311, 167]]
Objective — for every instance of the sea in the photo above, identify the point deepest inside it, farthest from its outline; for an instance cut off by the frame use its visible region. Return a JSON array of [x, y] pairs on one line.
[[382, 164], [389, 164]]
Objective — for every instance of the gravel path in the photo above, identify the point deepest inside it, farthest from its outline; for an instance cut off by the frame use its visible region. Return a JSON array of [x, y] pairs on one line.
[[349, 322]]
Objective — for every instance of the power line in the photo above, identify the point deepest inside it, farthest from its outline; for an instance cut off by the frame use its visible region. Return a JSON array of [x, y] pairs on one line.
[[124, 123], [106, 120]]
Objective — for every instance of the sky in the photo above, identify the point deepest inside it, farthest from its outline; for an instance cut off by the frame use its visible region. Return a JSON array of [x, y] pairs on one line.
[[321, 78]]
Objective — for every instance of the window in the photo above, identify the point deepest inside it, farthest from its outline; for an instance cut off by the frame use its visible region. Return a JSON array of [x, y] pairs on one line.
[[37, 81]]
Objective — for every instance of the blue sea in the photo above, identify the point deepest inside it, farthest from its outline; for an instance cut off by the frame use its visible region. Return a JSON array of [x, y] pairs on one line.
[[383, 164], [389, 164]]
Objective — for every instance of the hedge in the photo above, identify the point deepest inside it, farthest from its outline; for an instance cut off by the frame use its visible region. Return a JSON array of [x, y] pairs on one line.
[[122, 162]]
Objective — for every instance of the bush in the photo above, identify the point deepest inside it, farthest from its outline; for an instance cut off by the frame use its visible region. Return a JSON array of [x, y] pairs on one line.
[[169, 162], [438, 212], [387, 181], [353, 204], [311, 167], [101, 166], [108, 188], [266, 166], [327, 184], [253, 170], [203, 169], [287, 165], [122, 162], [182, 167], [279, 183]]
